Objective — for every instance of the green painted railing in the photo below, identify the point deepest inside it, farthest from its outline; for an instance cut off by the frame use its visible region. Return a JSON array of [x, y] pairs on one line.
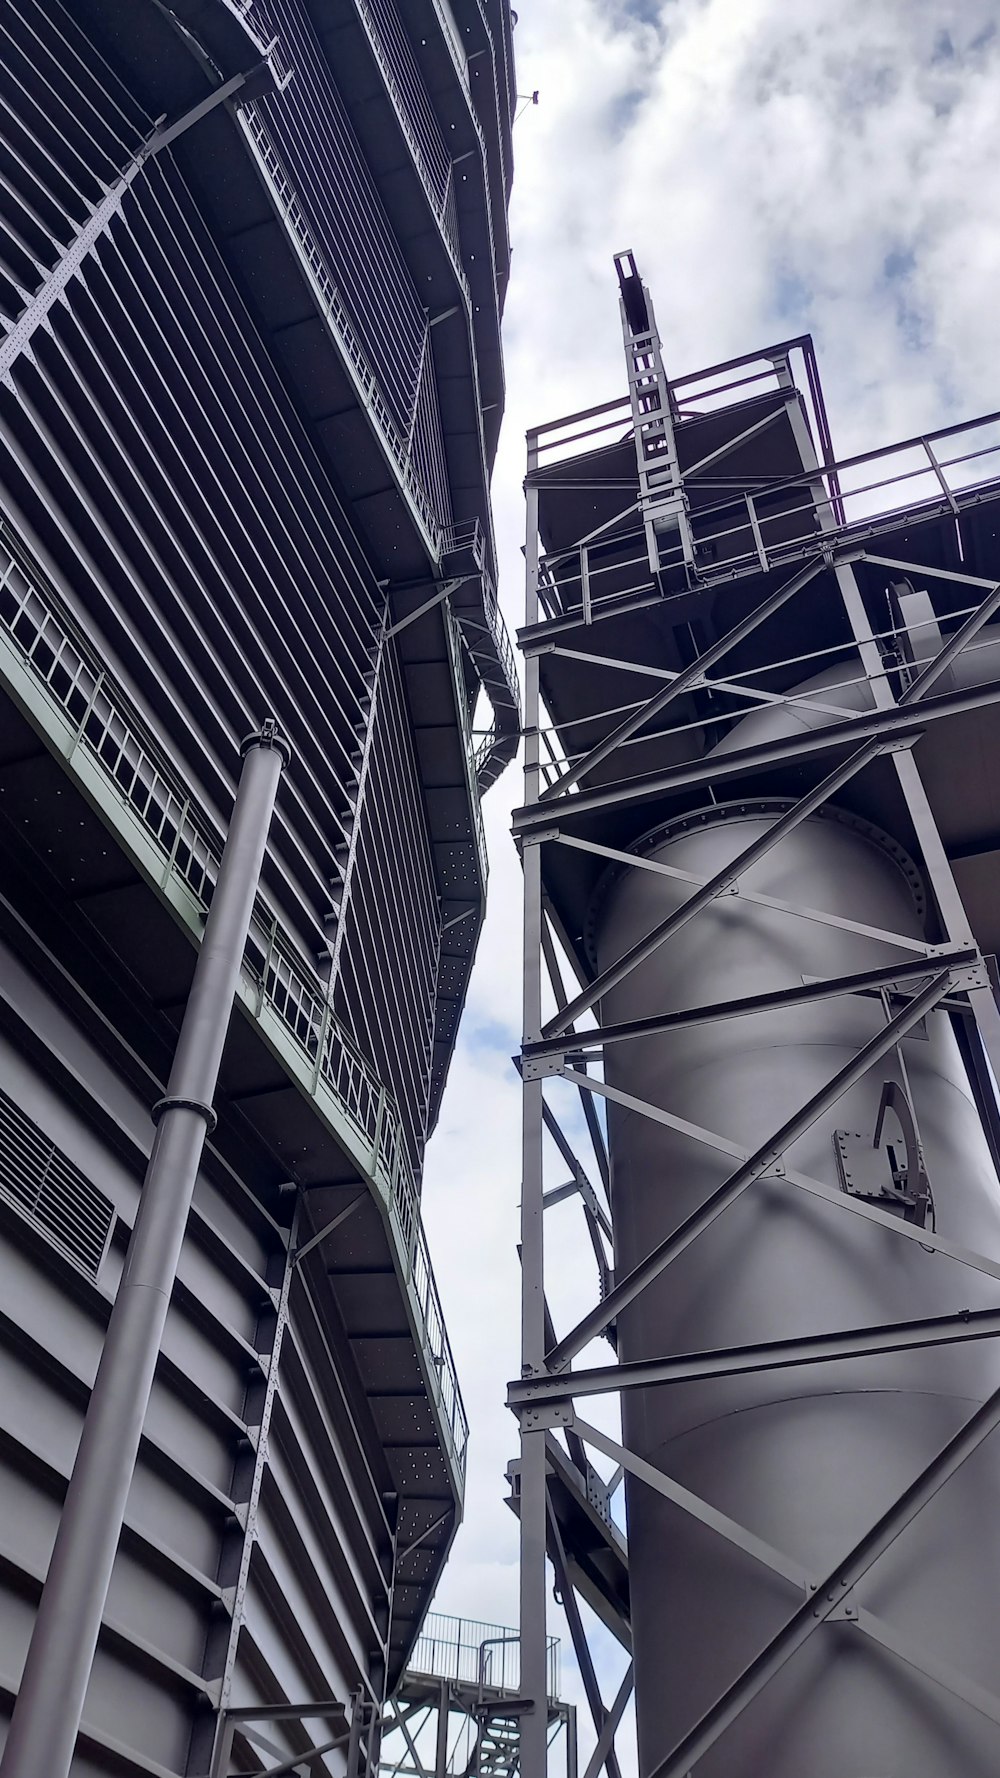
[[89, 721]]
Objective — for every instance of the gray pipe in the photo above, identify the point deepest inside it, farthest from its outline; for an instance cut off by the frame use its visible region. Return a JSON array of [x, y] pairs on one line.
[[50, 1702]]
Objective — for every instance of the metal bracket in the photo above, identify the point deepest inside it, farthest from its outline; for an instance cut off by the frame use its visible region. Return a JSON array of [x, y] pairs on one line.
[[846, 1611], [547, 1415], [542, 1067], [869, 1171]]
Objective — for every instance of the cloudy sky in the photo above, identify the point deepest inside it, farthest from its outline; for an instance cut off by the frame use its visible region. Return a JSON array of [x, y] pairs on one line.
[[778, 166]]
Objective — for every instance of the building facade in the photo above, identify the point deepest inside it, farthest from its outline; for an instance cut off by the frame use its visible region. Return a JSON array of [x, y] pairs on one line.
[[253, 256]]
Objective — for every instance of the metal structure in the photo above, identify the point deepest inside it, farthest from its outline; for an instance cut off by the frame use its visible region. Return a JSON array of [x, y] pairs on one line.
[[456, 1710], [253, 256], [760, 840]]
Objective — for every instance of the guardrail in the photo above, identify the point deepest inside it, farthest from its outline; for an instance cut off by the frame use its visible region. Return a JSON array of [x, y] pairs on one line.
[[415, 460], [417, 121], [475, 1653], [98, 721], [745, 532], [333, 309]]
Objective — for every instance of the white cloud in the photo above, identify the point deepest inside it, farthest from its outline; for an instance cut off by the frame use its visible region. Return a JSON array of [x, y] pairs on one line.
[[777, 168]]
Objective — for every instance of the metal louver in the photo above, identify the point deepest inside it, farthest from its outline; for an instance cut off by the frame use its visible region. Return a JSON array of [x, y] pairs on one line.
[[38, 1179]]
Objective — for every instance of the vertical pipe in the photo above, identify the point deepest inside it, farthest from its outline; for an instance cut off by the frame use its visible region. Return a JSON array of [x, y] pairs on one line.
[[50, 1703], [534, 1721]]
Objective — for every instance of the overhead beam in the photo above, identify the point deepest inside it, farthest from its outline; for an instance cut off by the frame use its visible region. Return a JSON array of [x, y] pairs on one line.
[[898, 723], [865, 981], [740, 1361]]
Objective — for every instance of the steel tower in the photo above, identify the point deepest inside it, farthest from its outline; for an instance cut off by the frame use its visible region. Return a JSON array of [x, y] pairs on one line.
[[761, 842], [253, 255]]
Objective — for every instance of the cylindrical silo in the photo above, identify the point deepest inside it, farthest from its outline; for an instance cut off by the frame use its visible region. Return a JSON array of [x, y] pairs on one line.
[[806, 1458]]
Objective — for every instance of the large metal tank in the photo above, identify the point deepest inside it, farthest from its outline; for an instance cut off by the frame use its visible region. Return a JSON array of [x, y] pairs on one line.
[[805, 1458]]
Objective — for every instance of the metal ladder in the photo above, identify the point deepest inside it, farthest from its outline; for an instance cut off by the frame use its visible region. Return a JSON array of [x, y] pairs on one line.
[[662, 499]]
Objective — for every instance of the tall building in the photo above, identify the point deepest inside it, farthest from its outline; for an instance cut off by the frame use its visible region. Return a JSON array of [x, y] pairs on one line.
[[252, 268], [761, 844]]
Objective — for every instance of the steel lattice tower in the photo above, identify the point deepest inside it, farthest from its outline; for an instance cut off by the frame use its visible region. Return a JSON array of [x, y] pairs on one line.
[[760, 842]]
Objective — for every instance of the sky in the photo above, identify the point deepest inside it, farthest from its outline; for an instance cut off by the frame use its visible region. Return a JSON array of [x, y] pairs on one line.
[[778, 167]]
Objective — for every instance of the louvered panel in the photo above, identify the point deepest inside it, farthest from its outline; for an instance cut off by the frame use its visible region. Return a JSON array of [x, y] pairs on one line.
[[46, 1187]]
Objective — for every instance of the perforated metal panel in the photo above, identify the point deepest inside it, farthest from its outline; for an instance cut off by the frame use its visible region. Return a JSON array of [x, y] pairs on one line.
[[45, 1186]]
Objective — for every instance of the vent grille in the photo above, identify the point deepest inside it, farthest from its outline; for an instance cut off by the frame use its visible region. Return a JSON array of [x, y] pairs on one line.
[[38, 1179]]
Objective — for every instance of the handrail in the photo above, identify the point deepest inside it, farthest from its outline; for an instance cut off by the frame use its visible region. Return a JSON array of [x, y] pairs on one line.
[[107, 727], [443, 209], [461, 1649], [742, 531]]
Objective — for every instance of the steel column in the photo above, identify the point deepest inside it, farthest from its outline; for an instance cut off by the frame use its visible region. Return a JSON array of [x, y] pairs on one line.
[[533, 1589], [50, 1704]]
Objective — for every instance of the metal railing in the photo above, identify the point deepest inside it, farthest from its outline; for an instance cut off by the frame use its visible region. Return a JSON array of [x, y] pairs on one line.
[[495, 666], [419, 459], [105, 726], [416, 117], [475, 1653], [332, 307], [745, 532]]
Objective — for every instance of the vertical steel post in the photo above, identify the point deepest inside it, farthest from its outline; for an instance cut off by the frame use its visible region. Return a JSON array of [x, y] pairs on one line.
[[441, 1746], [951, 908], [50, 1703], [533, 1678]]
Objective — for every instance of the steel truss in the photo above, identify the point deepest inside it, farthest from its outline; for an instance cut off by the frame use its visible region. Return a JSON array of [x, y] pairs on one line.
[[562, 807]]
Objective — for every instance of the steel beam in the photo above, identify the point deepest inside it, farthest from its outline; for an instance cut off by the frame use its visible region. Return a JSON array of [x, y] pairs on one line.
[[738, 1361], [899, 723], [866, 981], [684, 680], [638, 862], [594, 1130], [938, 866], [605, 1739], [941, 1672], [598, 1709], [906, 1231], [717, 885], [532, 1529], [760, 1162]]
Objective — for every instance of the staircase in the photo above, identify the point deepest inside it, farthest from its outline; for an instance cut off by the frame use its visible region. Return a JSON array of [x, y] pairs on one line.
[[497, 1750]]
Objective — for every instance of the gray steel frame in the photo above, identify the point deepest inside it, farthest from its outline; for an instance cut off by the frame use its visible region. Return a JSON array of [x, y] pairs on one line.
[[952, 974]]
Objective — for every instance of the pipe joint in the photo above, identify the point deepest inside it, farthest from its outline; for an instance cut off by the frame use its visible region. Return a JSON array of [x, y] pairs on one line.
[[268, 735], [171, 1102]]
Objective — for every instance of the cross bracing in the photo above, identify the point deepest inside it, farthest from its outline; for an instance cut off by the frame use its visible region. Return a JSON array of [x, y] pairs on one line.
[[638, 672]]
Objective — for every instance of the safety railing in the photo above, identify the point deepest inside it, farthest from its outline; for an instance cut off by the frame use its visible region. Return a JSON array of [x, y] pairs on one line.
[[484, 634], [419, 459], [749, 531], [474, 1653], [105, 727], [332, 308], [416, 117]]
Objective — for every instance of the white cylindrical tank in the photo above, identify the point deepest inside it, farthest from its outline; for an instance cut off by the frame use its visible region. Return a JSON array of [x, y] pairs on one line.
[[806, 1458]]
